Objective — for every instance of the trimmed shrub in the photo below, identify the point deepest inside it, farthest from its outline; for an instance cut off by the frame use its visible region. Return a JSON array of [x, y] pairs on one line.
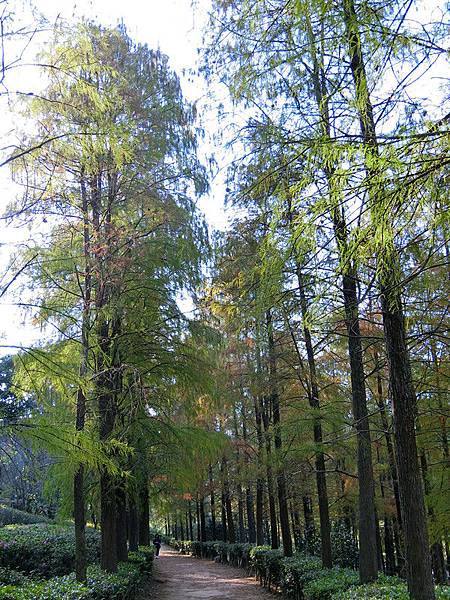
[[122, 585], [12, 516], [329, 581], [44, 550], [297, 571], [387, 588]]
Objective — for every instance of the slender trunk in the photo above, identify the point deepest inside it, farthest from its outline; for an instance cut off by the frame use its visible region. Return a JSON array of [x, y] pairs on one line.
[[199, 528], [274, 539], [191, 528], [389, 445], [121, 525], [368, 566], [230, 522], [314, 402], [213, 504], [259, 480], [241, 526], [380, 557], [389, 547], [144, 516], [224, 518], [420, 581], [202, 520], [248, 490], [78, 483], [366, 501], [296, 526], [280, 474], [133, 523], [310, 528], [181, 529]]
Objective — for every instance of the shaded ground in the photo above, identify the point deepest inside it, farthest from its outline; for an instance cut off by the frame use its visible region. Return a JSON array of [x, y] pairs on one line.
[[178, 577]]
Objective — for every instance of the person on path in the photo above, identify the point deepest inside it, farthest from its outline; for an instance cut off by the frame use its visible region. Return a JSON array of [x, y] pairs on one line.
[[157, 543]]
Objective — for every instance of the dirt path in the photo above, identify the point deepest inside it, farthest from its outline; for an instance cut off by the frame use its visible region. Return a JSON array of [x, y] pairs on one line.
[[178, 577]]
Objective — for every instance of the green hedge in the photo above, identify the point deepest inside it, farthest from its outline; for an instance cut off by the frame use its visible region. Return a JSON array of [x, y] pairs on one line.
[[388, 588], [122, 585], [12, 516], [44, 550]]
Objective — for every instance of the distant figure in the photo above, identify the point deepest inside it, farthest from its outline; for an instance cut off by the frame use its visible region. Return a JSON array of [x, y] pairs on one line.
[[157, 543]]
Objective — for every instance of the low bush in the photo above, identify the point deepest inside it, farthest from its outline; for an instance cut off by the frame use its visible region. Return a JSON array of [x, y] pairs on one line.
[[100, 585], [387, 588], [11, 577], [44, 550], [12, 516], [297, 571], [329, 581]]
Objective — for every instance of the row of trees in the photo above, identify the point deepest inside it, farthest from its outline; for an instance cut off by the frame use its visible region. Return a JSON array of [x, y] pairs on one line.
[[330, 288], [108, 175]]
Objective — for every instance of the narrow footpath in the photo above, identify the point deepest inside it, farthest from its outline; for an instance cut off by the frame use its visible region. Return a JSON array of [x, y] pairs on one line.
[[179, 577]]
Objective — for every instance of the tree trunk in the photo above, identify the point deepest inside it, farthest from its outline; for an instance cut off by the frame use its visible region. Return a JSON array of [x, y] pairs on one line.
[[144, 516], [202, 520], [230, 522], [276, 415], [78, 482], [213, 504], [366, 500], [181, 529], [274, 539], [191, 529], [224, 518], [259, 480], [420, 581], [368, 567], [313, 399], [121, 525], [199, 527], [248, 490], [133, 523], [310, 528], [389, 547]]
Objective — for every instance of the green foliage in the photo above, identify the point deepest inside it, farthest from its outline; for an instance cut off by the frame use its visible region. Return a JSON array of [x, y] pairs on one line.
[[44, 550], [12, 516], [328, 581], [298, 570], [122, 585], [385, 590]]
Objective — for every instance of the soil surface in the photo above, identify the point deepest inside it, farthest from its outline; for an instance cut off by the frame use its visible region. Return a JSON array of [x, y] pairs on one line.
[[178, 577]]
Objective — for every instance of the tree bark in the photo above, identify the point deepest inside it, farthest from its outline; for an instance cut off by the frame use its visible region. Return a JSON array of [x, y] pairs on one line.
[[420, 581], [276, 415], [144, 516], [78, 483], [121, 525], [213, 504], [133, 523], [202, 520], [314, 402]]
